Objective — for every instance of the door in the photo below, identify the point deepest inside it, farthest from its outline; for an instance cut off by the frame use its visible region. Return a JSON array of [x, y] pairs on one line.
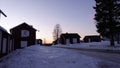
[[4, 45], [24, 44], [67, 41], [10, 46], [0, 40]]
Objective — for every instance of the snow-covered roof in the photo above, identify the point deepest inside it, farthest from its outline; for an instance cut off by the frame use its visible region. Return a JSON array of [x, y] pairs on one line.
[[70, 35], [1, 28]]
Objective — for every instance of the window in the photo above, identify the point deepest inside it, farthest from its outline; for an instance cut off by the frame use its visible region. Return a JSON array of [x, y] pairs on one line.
[[25, 33], [74, 40]]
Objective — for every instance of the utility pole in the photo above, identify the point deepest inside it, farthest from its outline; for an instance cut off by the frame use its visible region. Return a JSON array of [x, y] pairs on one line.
[[1, 12]]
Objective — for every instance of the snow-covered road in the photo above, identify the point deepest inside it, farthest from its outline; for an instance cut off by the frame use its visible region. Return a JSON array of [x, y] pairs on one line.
[[50, 57], [113, 57]]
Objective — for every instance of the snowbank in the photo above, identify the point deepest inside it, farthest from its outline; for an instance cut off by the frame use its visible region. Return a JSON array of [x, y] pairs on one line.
[[104, 45]]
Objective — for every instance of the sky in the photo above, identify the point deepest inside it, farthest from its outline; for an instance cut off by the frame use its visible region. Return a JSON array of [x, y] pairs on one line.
[[74, 16]]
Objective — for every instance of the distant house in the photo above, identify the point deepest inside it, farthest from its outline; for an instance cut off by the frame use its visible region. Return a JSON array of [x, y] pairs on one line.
[[92, 38], [39, 41], [24, 35], [69, 38], [6, 42]]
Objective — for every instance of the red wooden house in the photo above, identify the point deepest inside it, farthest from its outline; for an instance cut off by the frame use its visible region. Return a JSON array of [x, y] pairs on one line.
[[69, 38], [39, 41], [24, 35], [92, 38]]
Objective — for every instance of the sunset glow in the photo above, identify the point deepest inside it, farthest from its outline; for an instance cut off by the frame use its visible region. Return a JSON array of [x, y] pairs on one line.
[[74, 16]]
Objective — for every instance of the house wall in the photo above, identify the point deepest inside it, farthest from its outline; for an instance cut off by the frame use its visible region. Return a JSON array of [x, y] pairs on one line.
[[4, 48], [10, 45], [92, 39], [74, 40], [62, 40], [39, 41], [71, 40], [16, 36], [5, 43], [0, 42], [32, 37]]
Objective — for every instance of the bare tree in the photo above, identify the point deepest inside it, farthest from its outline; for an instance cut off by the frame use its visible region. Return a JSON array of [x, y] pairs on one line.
[[56, 33]]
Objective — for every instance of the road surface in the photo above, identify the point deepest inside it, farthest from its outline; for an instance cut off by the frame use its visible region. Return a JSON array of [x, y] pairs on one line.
[[110, 57]]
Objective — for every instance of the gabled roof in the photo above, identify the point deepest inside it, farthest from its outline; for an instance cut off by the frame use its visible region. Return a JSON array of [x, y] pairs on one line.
[[22, 25], [70, 35]]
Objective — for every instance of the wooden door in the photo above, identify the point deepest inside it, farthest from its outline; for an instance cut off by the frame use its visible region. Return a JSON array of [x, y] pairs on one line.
[[24, 44], [4, 46], [0, 41], [67, 41]]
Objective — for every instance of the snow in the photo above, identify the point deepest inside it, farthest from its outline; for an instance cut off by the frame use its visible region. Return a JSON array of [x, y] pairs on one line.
[[37, 56], [103, 45], [1, 28]]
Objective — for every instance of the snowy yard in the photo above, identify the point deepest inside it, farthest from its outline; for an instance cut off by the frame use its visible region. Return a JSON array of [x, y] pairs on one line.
[[103, 45], [49, 57]]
